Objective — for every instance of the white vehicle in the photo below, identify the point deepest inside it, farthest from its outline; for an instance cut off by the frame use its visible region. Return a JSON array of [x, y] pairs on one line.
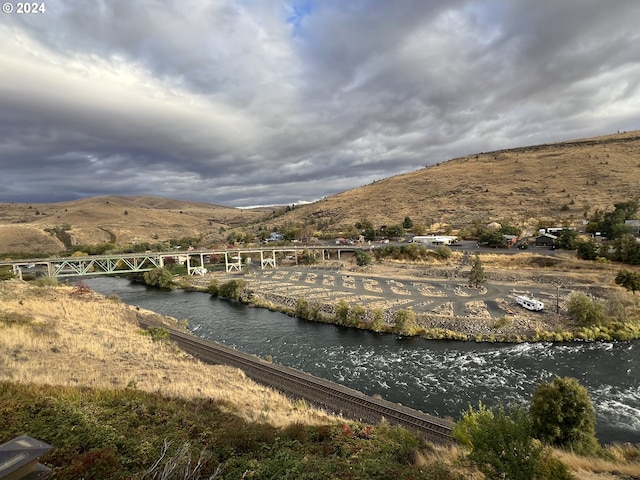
[[529, 303]]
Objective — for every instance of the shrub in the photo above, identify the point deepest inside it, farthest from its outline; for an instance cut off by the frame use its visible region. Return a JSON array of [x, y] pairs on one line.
[[362, 258], [159, 277], [302, 308], [476, 275], [585, 311], [405, 322], [563, 415], [342, 312], [500, 442], [213, 287], [232, 289], [443, 252]]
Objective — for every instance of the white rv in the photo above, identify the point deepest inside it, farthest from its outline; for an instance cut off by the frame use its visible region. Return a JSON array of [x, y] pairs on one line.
[[529, 303]]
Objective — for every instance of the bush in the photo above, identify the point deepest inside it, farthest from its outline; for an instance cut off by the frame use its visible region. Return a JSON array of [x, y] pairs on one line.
[[500, 442], [443, 252], [302, 308], [159, 277], [405, 322], [232, 289], [342, 312], [563, 416], [362, 258], [585, 311], [213, 287]]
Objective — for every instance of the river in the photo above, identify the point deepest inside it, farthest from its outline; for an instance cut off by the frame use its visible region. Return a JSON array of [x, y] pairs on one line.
[[438, 377]]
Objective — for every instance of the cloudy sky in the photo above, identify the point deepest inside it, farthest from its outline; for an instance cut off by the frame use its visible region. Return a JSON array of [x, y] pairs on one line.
[[259, 102]]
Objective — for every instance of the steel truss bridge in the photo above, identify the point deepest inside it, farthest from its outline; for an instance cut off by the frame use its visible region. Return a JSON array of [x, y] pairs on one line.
[[235, 259]]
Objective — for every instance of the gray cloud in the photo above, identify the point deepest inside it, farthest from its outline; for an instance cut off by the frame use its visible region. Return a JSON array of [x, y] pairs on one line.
[[254, 102]]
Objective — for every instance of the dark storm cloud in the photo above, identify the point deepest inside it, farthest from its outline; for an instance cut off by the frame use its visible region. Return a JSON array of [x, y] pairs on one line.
[[252, 102]]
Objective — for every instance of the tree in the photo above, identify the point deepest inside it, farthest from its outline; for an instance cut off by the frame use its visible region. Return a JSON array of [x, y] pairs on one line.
[[362, 258], [585, 311], [629, 280], [493, 238], [159, 277], [568, 239], [367, 229], [563, 416], [408, 223], [476, 275], [395, 231], [587, 249]]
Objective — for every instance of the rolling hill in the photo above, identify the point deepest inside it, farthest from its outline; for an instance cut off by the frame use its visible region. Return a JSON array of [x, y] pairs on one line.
[[121, 220], [556, 183]]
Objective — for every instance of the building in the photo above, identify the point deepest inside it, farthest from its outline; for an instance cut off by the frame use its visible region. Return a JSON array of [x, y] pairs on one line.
[[435, 239], [546, 240]]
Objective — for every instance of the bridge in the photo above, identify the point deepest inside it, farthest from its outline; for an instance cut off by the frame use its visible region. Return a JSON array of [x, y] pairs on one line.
[[235, 259]]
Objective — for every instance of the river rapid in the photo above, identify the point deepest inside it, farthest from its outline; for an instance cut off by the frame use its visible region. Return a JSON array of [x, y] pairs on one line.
[[438, 377]]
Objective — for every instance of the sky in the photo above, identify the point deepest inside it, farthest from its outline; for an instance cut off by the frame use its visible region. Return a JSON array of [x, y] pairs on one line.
[[276, 102]]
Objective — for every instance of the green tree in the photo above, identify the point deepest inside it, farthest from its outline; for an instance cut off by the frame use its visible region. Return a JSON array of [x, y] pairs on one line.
[[587, 249], [563, 416], [159, 277], [500, 442], [568, 239], [629, 280], [395, 231], [476, 275], [408, 223], [367, 229], [405, 322], [585, 311], [493, 238], [362, 258], [626, 249]]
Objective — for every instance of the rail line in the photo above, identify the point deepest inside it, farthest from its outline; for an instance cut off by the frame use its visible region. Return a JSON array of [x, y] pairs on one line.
[[331, 396]]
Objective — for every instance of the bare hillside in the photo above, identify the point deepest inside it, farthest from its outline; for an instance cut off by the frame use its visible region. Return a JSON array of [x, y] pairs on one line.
[[121, 220], [557, 182]]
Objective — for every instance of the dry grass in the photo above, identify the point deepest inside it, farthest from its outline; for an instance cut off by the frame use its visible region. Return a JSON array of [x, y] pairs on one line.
[[95, 341], [523, 185], [586, 468], [101, 219]]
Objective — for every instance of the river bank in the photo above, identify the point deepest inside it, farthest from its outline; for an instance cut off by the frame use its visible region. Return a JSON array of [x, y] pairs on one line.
[[441, 306]]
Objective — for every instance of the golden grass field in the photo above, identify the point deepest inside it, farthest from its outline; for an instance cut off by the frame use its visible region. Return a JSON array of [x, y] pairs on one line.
[[94, 341]]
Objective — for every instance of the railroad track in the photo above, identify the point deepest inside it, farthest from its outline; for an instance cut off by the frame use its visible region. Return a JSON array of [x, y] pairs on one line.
[[331, 396]]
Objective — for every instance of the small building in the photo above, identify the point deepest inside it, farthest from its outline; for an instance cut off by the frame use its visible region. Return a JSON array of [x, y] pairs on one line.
[[546, 240], [435, 239]]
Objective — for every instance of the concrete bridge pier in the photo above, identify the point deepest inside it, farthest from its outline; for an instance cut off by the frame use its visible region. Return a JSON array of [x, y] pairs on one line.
[[230, 266], [265, 262]]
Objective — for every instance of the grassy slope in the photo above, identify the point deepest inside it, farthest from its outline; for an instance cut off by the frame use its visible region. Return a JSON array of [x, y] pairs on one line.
[[76, 373], [96, 220], [524, 184]]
